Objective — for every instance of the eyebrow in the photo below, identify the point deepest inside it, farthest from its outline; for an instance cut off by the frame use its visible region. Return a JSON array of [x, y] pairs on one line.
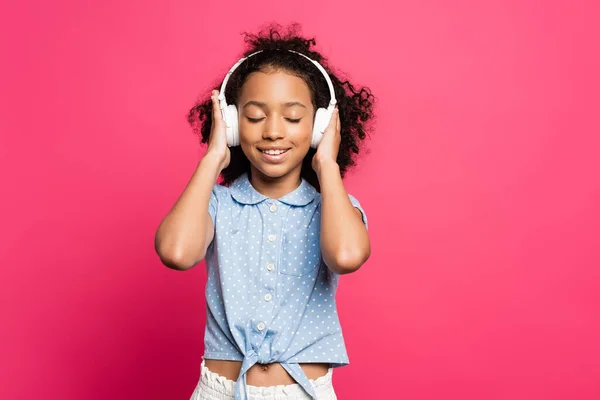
[[264, 105]]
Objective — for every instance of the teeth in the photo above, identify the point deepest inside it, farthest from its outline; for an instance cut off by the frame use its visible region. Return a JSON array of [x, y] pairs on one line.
[[274, 152]]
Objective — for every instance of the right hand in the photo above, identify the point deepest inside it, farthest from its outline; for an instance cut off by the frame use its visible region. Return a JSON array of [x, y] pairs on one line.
[[217, 143]]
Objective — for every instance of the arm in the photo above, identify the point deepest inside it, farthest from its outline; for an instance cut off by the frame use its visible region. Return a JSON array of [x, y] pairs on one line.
[[186, 232], [345, 243]]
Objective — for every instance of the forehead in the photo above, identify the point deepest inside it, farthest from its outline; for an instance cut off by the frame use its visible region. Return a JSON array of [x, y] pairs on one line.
[[275, 86]]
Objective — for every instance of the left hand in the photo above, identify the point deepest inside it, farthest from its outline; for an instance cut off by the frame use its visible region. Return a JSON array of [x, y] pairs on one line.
[[329, 147]]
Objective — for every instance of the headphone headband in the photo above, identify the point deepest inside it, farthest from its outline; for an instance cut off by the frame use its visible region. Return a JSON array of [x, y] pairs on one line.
[[223, 101]]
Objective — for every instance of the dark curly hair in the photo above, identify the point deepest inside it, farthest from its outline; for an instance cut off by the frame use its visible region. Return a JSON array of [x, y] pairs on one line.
[[355, 105]]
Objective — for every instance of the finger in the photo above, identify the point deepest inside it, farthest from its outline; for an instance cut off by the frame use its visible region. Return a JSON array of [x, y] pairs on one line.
[[332, 120], [215, 106]]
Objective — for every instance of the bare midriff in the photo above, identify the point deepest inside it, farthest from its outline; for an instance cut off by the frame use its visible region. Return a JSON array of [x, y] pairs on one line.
[[264, 374]]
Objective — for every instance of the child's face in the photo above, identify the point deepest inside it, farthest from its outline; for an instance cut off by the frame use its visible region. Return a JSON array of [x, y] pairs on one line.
[[276, 117]]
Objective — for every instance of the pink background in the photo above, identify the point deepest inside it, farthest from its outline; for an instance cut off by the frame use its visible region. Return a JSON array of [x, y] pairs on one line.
[[482, 189]]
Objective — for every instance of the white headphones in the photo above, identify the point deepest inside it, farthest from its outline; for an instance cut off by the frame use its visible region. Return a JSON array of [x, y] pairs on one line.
[[230, 113]]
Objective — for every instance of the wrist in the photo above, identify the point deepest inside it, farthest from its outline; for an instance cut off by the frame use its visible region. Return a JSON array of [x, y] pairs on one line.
[[214, 159], [326, 167]]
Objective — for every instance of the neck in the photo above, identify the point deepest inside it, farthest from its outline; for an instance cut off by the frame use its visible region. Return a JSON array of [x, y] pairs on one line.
[[275, 188]]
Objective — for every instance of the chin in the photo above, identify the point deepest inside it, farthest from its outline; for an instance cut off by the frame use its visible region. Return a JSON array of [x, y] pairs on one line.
[[273, 171]]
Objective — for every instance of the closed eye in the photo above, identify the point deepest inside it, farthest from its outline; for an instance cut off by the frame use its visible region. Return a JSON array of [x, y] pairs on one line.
[[257, 120]]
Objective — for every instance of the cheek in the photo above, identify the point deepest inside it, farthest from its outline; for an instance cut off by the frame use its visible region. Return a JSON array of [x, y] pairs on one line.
[[247, 139], [302, 132], [249, 133]]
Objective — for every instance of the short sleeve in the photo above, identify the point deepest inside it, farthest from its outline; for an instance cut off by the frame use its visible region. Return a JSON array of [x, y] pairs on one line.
[[356, 204], [213, 203]]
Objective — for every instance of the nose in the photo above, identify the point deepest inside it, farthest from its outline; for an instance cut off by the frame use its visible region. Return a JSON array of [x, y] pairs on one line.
[[274, 128]]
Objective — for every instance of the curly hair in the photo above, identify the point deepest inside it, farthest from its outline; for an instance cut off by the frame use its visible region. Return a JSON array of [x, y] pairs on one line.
[[355, 104]]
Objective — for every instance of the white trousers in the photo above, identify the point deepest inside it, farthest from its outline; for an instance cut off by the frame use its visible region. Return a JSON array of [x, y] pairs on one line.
[[213, 386]]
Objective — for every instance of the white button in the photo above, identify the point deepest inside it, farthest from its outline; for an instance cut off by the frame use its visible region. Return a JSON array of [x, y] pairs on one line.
[[260, 326], [272, 238], [273, 208], [268, 297], [270, 266]]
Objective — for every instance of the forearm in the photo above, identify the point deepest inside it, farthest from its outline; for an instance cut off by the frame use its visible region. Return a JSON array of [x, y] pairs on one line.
[[345, 242], [181, 237]]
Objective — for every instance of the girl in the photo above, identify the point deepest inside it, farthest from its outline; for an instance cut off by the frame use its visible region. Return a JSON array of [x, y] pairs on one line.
[[280, 228]]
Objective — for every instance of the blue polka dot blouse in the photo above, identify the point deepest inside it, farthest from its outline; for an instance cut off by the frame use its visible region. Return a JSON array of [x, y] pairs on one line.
[[269, 295]]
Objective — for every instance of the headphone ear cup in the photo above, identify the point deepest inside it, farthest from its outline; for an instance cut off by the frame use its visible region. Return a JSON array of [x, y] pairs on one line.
[[231, 121], [322, 118]]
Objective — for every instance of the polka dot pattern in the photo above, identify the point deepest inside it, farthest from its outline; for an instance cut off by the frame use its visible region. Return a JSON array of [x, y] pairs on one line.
[[269, 295]]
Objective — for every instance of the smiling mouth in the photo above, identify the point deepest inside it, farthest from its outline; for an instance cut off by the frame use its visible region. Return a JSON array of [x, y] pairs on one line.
[[274, 152]]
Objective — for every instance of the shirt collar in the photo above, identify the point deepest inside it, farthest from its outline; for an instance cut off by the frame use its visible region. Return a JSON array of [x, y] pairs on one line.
[[243, 192]]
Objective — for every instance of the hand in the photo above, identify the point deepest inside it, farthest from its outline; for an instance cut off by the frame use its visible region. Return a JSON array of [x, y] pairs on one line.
[[217, 143], [329, 147]]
